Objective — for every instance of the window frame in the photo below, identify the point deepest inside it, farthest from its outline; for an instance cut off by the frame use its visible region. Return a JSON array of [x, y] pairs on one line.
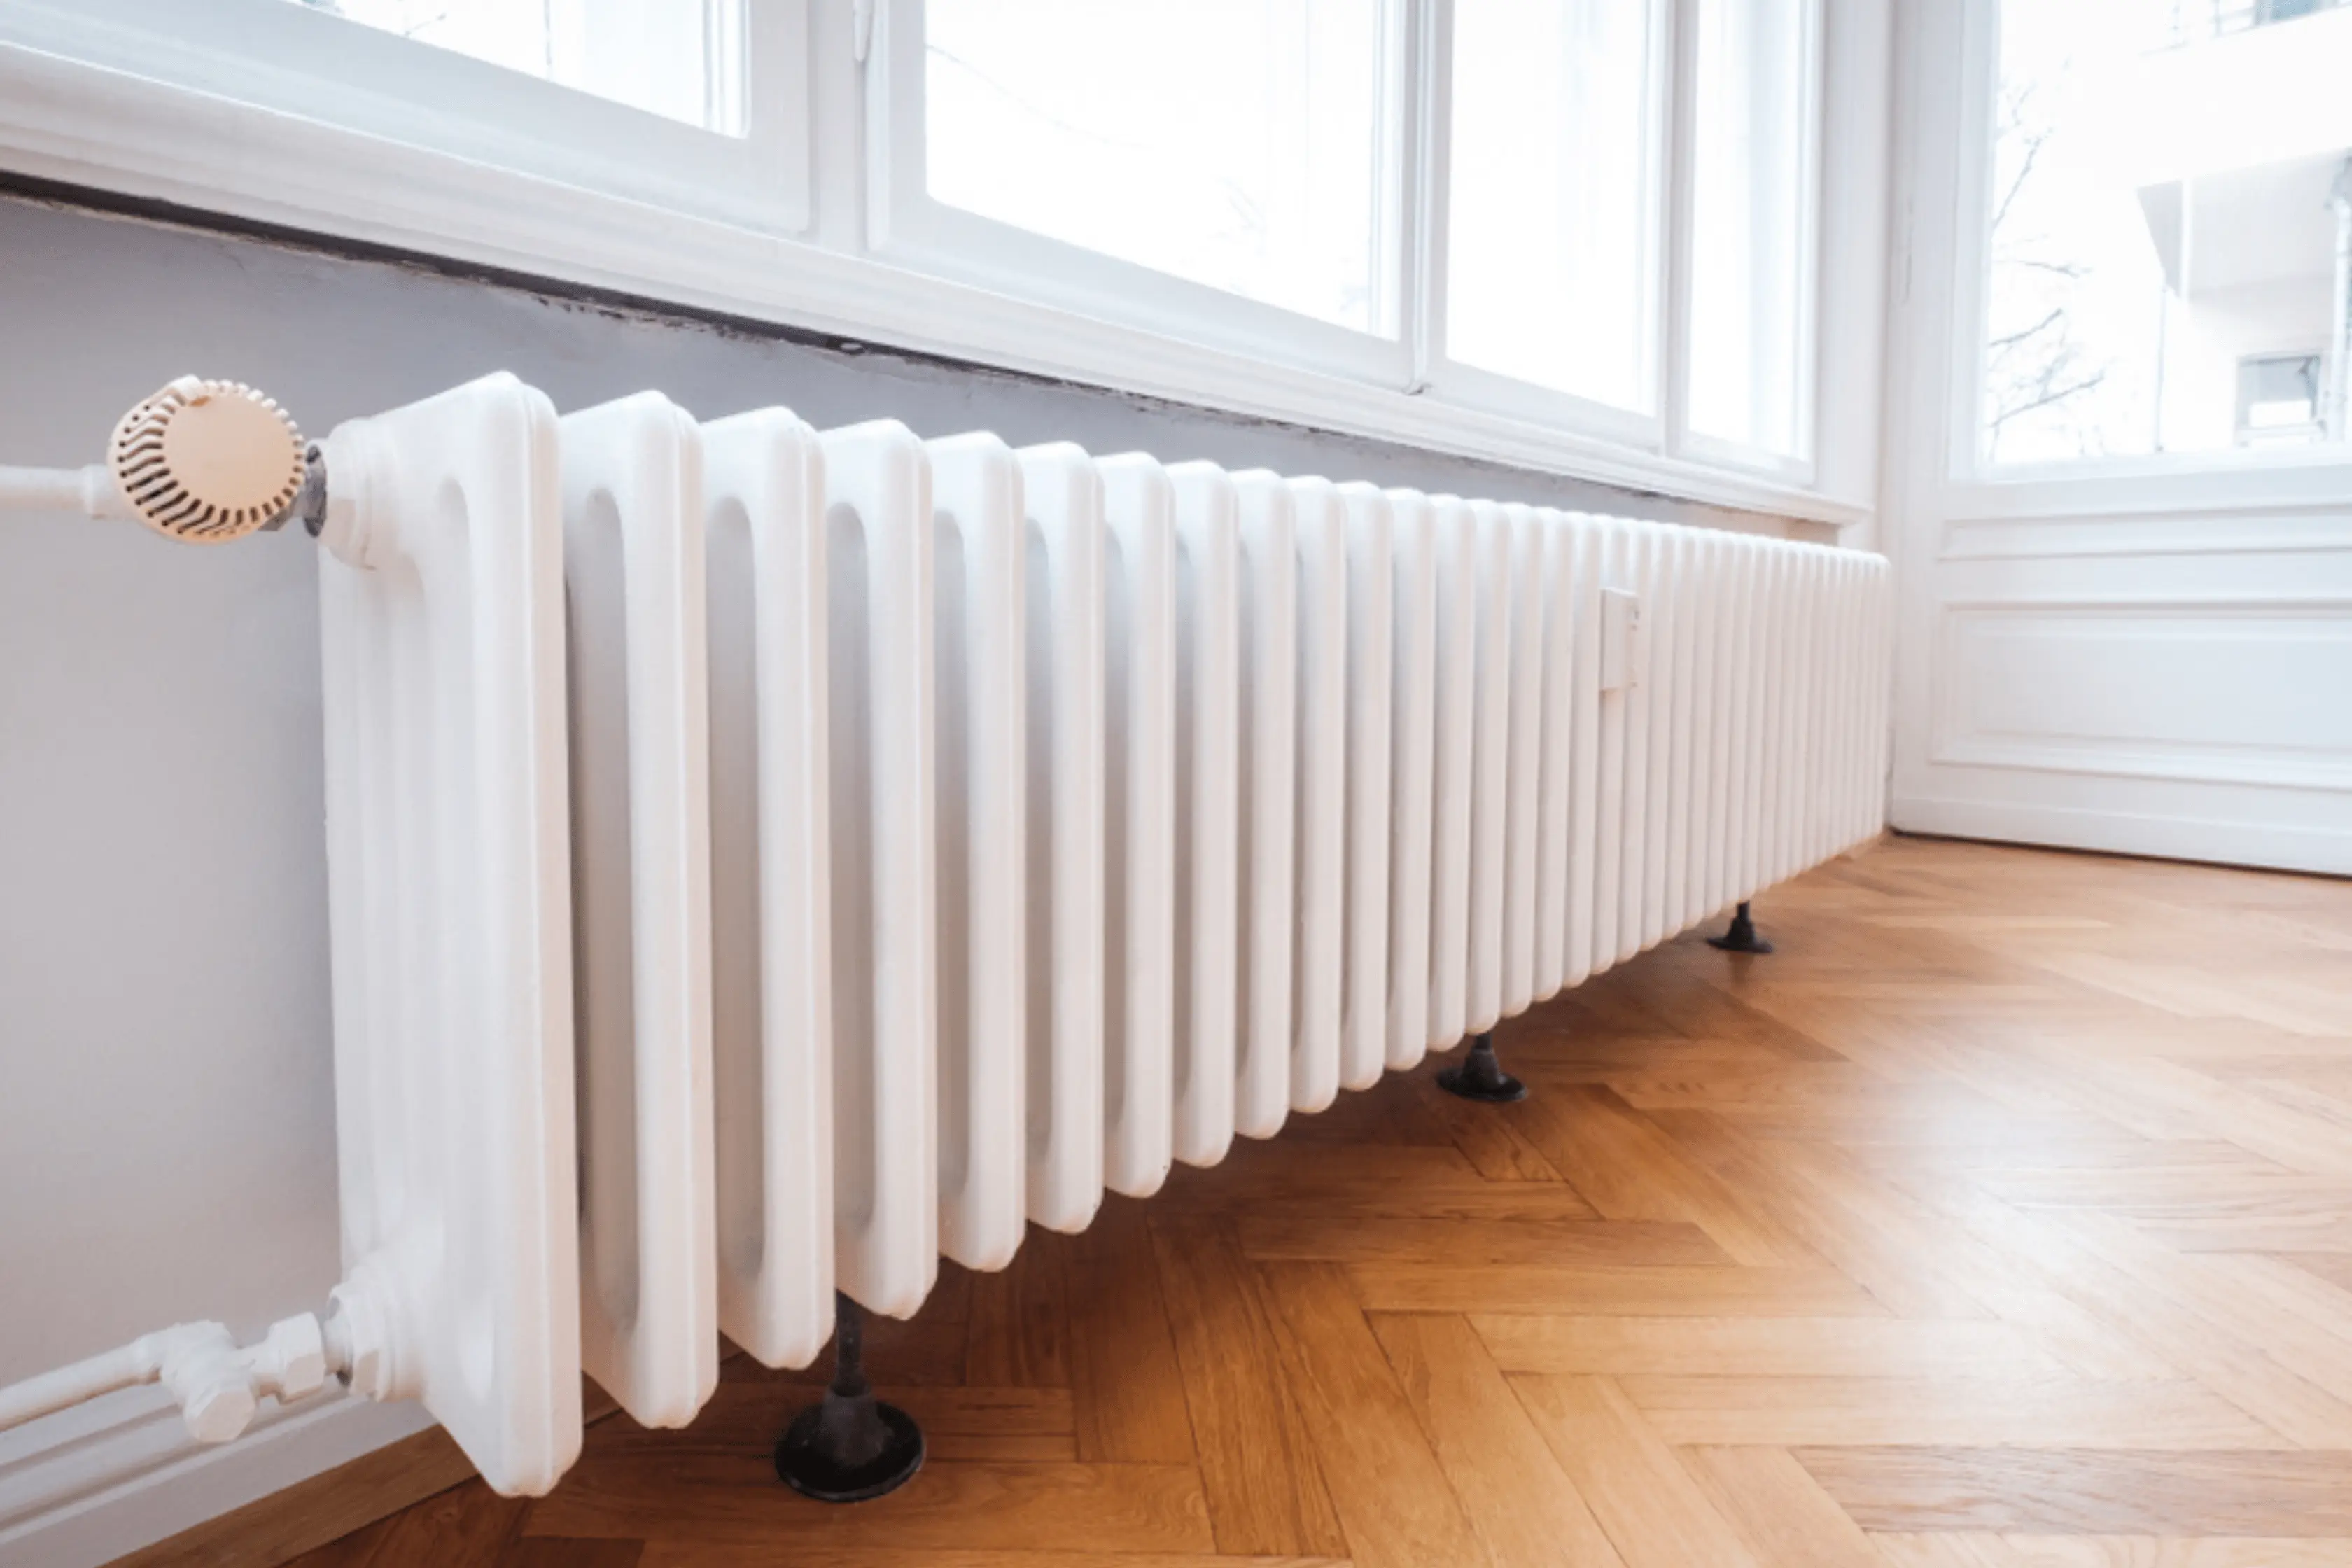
[[908, 226], [1498, 392], [1801, 466], [831, 243], [297, 63]]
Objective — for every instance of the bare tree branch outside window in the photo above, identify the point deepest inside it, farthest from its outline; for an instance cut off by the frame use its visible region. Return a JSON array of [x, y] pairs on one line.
[[2035, 361]]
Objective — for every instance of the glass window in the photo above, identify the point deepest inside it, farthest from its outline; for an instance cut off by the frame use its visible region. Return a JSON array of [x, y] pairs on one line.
[[682, 59], [2168, 250], [1752, 177], [2278, 399], [1238, 143], [1552, 264]]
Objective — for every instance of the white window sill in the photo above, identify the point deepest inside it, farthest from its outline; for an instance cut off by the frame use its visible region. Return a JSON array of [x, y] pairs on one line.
[[82, 125]]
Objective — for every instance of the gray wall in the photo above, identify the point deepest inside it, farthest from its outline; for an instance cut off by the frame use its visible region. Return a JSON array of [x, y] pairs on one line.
[[166, 1122]]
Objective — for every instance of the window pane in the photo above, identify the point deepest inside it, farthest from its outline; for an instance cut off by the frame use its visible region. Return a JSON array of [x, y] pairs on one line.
[[1234, 143], [1751, 195], [2163, 262], [1553, 199], [681, 59]]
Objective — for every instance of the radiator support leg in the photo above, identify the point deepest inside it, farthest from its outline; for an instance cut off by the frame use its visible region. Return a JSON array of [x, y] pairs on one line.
[[1480, 1076], [1741, 937], [849, 1446]]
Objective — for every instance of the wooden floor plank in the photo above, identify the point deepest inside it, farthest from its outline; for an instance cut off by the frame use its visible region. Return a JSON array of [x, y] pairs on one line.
[[1775, 1347], [1781, 1511], [2042, 1413], [1901, 1551], [1015, 1332], [2119, 1492], [1127, 1387], [1628, 1169], [739, 1554], [465, 1525], [966, 1422], [1257, 1462], [733, 1499], [2107, 1551], [1520, 1502], [2194, 1346], [557, 1552], [351, 1550], [1394, 1504], [1865, 1234], [1637, 1292], [2336, 1268], [1325, 1236], [1498, 1146], [1655, 1514]]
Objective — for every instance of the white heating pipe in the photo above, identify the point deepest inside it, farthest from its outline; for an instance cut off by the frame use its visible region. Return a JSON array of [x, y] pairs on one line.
[[216, 1382], [91, 491]]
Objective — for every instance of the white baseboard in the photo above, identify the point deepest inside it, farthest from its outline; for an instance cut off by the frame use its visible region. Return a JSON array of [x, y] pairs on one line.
[[88, 1485], [2285, 847]]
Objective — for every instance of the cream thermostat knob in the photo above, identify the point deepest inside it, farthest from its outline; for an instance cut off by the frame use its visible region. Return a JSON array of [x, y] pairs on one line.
[[207, 461]]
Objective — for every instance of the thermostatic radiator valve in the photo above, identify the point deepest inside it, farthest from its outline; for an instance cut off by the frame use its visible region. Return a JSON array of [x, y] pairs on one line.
[[202, 462]]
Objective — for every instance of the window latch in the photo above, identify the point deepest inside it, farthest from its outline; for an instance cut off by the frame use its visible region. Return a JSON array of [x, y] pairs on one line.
[[861, 26]]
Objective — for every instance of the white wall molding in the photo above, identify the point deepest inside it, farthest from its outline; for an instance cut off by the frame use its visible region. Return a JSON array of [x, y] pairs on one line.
[[2179, 605], [2203, 689], [2261, 532], [2184, 836]]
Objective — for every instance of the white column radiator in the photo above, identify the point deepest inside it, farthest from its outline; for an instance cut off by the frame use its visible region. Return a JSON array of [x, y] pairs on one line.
[[764, 859]]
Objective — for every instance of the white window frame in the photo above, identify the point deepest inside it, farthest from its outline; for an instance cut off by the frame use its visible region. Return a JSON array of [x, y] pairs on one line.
[[1798, 467], [817, 220], [2152, 482], [310, 66], [906, 225], [1496, 392]]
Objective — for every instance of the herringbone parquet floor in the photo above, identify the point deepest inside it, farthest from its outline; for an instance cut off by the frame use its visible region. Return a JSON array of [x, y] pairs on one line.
[[2003, 1217]]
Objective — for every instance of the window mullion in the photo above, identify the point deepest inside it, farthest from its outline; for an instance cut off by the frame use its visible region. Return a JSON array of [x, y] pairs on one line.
[[1427, 171], [1677, 125], [839, 89]]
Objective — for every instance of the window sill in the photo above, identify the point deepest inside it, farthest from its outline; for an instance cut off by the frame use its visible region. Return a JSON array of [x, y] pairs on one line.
[[2313, 479], [82, 125]]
